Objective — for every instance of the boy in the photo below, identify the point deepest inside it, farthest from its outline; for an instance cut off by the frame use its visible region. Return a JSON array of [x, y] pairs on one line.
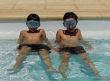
[[32, 40], [69, 42]]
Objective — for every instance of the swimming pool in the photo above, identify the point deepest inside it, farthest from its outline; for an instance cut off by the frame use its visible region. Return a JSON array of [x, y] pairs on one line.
[[98, 32]]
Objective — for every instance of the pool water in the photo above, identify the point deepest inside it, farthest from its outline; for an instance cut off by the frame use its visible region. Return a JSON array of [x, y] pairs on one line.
[[33, 69]]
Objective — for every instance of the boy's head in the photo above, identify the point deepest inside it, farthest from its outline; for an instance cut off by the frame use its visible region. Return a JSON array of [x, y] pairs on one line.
[[70, 20], [33, 21]]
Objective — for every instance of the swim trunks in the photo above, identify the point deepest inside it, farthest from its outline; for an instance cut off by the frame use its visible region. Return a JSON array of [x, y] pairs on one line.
[[35, 47], [73, 50]]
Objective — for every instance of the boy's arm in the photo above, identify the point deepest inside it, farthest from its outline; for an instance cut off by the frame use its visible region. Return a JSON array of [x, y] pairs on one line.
[[58, 38], [83, 42], [45, 38], [21, 37], [80, 35]]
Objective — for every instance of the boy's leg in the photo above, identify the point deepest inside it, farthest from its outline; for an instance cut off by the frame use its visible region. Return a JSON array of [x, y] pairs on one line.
[[89, 63], [64, 64], [22, 55], [45, 56]]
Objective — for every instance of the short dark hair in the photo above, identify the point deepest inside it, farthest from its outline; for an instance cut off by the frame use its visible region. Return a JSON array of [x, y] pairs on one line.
[[70, 15], [33, 16]]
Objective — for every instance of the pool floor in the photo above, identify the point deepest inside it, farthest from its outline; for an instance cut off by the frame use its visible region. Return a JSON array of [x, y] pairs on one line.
[[33, 68]]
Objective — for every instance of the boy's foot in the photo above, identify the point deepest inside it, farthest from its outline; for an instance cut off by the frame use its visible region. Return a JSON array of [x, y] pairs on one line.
[[13, 70], [51, 69], [101, 77], [63, 74]]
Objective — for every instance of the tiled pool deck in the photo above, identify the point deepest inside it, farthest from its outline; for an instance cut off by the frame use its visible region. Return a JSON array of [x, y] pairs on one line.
[[54, 9]]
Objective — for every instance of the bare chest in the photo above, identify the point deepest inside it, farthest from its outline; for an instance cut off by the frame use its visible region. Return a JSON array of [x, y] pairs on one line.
[[33, 36], [69, 38]]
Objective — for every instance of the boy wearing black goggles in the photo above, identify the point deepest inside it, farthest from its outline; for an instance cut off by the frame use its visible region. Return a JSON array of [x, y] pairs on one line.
[[69, 42]]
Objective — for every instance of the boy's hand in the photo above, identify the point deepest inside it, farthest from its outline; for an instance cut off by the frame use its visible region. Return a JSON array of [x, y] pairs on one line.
[[87, 44], [56, 49], [89, 47], [49, 45]]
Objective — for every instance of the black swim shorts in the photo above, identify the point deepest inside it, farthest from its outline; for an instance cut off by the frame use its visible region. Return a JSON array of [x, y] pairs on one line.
[[73, 50], [35, 47]]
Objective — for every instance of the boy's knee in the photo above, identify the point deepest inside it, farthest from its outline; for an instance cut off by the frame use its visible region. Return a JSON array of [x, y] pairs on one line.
[[66, 55], [24, 50], [86, 59], [45, 57], [43, 51]]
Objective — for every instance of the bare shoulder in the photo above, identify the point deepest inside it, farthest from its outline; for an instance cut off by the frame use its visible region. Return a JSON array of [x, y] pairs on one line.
[[42, 30], [23, 31], [79, 31], [59, 31]]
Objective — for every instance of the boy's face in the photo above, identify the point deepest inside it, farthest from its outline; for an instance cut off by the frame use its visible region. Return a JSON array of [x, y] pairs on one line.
[[70, 23], [33, 24]]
